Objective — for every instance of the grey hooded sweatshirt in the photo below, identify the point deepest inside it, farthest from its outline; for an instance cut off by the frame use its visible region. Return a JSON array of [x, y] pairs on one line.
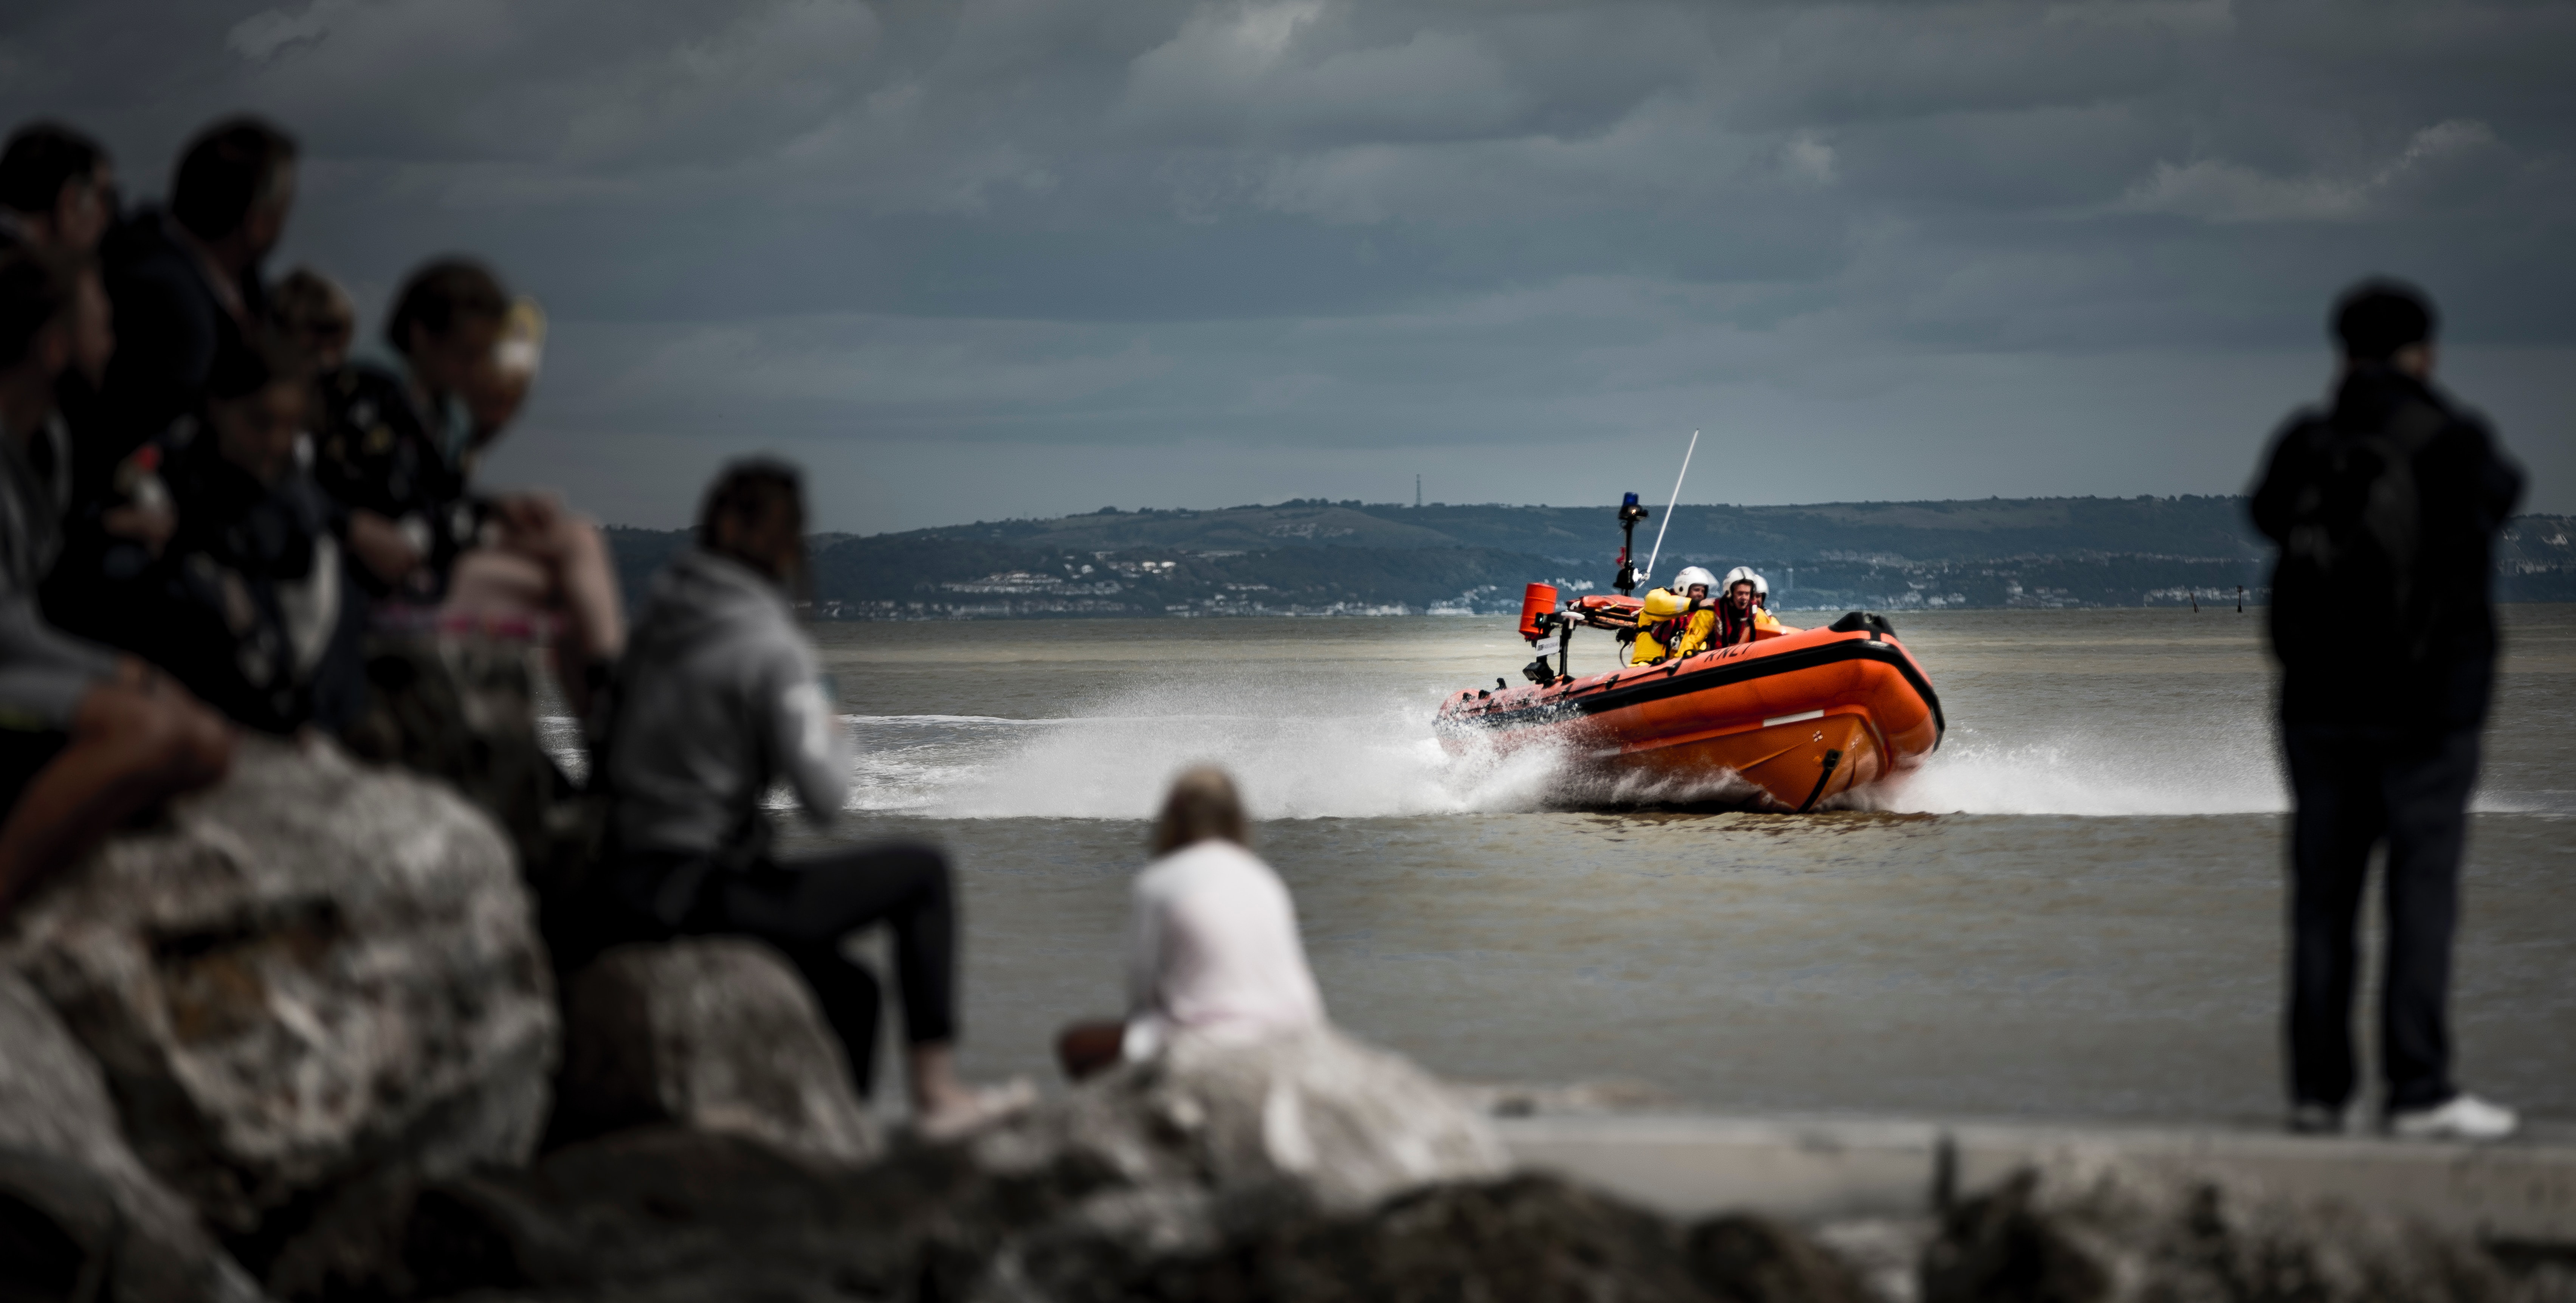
[[718, 698]]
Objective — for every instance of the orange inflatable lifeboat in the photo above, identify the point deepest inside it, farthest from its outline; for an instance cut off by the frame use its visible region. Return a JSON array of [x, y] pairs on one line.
[[1785, 723]]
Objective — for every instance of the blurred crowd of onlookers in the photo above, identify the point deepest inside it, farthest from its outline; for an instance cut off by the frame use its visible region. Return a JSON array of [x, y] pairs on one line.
[[225, 507], [217, 490]]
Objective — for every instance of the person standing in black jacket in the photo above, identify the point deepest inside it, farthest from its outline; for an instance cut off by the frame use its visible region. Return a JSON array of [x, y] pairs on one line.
[[2386, 508]]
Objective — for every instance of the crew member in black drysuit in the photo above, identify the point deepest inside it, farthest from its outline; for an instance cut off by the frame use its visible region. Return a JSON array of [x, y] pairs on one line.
[[2386, 509], [719, 698]]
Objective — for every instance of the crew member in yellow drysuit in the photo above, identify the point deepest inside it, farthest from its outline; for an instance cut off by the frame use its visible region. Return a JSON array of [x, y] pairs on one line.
[[1675, 621]]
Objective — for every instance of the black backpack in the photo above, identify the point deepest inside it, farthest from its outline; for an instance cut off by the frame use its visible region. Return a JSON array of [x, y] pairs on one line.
[[2356, 541]]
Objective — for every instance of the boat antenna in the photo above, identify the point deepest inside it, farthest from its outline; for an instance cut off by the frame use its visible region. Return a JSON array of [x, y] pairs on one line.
[[1668, 508]]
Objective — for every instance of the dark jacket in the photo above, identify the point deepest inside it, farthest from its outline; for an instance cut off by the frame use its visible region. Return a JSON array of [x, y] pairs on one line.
[[253, 606], [87, 593], [378, 452], [2420, 658], [170, 324]]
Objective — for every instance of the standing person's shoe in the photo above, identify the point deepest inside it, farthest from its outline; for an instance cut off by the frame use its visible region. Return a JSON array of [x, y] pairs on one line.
[[2316, 1120], [2462, 1117]]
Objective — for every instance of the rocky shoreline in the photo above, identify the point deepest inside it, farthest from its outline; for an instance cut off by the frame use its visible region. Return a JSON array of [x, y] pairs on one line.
[[299, 1040]]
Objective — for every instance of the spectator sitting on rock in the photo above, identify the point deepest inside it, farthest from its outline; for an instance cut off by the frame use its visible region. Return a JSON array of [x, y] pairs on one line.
[[719, 697], [187, 281], [113, 519], [251, 604], [315, 315], [57, 190], [1212, 948], [398, 446], [87, 738], [58, 193]]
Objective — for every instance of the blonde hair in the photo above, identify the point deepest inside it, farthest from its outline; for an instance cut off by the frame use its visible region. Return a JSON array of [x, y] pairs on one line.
[[1202, 804]]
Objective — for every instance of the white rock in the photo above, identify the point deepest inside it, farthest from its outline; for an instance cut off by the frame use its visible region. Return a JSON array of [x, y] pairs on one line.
[[312, 974], [54, 1106]]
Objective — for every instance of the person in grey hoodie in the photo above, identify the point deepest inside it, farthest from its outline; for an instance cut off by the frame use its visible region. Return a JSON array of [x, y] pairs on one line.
[[719, 698]]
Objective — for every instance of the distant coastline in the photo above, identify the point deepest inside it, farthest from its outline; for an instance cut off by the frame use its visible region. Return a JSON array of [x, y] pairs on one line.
[[1313, 558]]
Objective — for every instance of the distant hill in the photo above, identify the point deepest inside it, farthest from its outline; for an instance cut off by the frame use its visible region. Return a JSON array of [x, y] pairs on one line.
[[1313, 557]]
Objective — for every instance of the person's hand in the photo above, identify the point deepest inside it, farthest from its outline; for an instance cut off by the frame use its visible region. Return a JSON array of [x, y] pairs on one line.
[[151, 526], [529, 513], [382, 547], [532, 524], [144, 677]]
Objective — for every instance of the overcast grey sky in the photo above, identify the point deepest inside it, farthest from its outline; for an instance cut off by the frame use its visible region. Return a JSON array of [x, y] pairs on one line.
[[980, 258]]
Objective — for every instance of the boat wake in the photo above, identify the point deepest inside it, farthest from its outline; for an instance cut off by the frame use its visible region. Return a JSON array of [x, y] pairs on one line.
[[1294, 761], [2092, 774], [1378, 758]]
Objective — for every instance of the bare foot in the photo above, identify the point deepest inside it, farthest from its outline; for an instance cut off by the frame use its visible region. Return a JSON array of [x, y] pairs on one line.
[[972, 1108], [943, 1106]]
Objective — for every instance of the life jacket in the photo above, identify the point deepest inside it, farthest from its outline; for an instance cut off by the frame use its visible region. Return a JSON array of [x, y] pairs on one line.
[[1659, 623], [1692, 629], [1732, 627]]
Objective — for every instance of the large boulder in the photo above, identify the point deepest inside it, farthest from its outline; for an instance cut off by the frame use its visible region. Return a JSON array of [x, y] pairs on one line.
[[1533, 1237], [672, 1212], [2078, 1227], [1339, 1123], [719, 1034], [79, 1216], [313, 976], [656, 1214], [463, 707], [1171, 1155], [1166, 1159]]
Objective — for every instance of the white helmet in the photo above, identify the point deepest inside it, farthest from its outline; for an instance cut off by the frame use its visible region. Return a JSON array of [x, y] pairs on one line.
[[1760, 588], [1693, 575]]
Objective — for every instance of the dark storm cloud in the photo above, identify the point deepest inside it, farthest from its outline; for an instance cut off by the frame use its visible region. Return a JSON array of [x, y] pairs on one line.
[[1202, 253]]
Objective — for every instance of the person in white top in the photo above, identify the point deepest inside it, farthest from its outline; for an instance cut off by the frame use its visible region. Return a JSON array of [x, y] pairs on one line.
[[1212, 946]]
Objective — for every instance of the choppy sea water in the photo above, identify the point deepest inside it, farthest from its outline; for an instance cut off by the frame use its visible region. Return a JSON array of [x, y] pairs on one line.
[[2074, 910]]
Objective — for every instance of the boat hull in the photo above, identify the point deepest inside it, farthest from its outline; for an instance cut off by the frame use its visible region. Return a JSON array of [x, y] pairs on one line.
[[1788, 723]]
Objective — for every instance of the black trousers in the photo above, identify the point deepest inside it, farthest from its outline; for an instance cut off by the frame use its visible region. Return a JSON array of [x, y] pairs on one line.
[[2355, 789], [804, 908]]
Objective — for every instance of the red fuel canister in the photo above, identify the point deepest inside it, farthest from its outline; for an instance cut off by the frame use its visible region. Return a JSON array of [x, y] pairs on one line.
[[1536, 600]]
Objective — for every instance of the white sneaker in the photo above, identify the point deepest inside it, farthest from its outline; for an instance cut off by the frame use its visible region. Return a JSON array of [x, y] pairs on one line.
[[2464, 1117]]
